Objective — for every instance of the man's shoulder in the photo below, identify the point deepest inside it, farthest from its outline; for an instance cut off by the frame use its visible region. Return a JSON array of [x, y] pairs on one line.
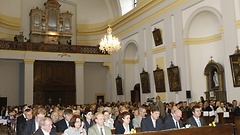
[[60, 122]]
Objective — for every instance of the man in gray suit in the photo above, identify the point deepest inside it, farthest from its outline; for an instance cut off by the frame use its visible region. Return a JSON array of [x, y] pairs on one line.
[[99, 128], [196, 120], [141, 114]]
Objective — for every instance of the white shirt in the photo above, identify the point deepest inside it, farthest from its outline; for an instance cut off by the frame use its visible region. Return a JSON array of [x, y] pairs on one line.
[[101, 128], [197, 121], [176, 122], [67, 123], [154, 122], [36, 126], [45, 133], [127, 130]]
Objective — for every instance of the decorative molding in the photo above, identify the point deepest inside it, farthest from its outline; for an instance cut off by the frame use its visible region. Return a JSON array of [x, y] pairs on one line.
[[160, 49], [108, 64], [173, 44], [128, 61], [220, 29], [100, 28], [79, 63], [9, 22], [6, 35], [28, 61], [203, 39], [145, 54], [237, 23]]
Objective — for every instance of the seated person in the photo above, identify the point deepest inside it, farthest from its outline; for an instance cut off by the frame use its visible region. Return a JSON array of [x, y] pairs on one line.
[[99, 128], [108, 121], [124, 126], [54, 117], [76, 126], [88, 122], [63, 124], [22, 119], [33, 124], [137, 120], [196, 120], [175, 121], [152, 122], [45, 125]]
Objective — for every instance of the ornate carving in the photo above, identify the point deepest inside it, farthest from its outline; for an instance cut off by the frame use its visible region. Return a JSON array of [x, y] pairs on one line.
[[41, 47]]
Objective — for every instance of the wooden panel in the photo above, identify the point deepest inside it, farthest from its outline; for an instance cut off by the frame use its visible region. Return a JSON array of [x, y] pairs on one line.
[[207, 130], [54, 80]]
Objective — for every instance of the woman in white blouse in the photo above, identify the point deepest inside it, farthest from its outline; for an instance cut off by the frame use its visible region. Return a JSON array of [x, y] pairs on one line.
[[76, 126], [108, 121]]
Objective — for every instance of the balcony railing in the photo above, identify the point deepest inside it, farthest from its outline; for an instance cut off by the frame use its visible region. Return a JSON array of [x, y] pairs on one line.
[[42, 47]]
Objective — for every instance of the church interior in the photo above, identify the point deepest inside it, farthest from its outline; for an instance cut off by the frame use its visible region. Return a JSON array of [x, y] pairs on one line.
[[176, 49], [119, 67]]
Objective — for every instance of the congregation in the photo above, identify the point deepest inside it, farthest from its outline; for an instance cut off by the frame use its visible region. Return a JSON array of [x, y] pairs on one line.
[[100, 118]]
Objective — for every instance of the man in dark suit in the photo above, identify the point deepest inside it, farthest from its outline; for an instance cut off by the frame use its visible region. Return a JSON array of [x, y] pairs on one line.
[[45, 127], [22, 119], [211, 106], [175, 121], [63, 124], [33, 124], [196, 120], [152, 122]]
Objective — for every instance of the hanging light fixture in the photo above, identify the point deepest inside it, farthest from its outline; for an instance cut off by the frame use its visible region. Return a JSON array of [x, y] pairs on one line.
[[109, 44]]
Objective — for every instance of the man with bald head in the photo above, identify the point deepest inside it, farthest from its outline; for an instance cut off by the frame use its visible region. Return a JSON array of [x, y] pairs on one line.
[[99, 128], [174, 108], [175, 121]]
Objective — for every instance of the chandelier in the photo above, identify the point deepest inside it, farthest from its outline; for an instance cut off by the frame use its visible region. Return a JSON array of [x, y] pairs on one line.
[[109, 44]]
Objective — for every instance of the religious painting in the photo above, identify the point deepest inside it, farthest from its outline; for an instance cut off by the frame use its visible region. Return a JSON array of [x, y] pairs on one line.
[[157, 36], [159, 80], [174, 78], [100, 98], [235, 66], [145, 82], [119, 85]]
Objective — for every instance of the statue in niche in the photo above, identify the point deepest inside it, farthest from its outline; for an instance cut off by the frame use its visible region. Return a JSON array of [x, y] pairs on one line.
[[215, 79]]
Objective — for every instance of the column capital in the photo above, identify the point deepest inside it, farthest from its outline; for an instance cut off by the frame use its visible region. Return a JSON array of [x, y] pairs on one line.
[[28, 61], [108, 64], [79, 63]]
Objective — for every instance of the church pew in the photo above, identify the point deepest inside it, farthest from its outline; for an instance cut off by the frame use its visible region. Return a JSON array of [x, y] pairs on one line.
[[222, 120], [237, 125], [226, 129]]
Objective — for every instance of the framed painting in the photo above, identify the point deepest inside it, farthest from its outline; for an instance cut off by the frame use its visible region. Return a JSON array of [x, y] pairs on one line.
[[119, 85], [235, 67], [174, 78], [159, 80], [157, 36], [145, 82]]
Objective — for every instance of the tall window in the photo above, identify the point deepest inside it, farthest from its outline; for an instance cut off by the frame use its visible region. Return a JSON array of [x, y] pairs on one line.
[[135, 3]]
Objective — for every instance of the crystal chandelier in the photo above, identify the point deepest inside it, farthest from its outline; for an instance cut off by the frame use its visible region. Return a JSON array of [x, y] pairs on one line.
[[109, 44]]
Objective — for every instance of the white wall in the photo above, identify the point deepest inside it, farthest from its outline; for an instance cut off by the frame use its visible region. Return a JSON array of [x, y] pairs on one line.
[[96, 81], [10, 80]]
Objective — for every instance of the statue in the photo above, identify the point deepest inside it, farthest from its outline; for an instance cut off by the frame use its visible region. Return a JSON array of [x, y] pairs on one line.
[[215, 79]]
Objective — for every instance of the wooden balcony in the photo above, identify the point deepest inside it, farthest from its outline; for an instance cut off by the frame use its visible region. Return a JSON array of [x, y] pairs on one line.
[[42, 47]]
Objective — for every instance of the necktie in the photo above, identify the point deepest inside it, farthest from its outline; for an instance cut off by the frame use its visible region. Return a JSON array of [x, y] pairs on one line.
[[101, 131], [199, 123], [177, 124]]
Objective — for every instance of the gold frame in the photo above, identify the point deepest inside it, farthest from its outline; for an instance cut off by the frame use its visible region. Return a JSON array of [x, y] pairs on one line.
[[157, 36], [97, 95], [174, 78], [159, 80], [145, 82], [235, 67]]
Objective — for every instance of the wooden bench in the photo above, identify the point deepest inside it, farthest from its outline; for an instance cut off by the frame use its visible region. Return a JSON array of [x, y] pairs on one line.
[[227, 129], [222, 120]]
